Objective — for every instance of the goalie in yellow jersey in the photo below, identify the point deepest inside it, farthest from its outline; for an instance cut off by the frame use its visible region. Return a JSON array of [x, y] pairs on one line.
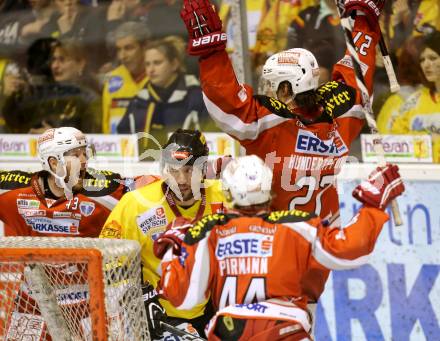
[[182, 191]]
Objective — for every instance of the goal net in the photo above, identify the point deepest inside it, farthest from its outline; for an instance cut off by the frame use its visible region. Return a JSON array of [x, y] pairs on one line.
[[71, 289]]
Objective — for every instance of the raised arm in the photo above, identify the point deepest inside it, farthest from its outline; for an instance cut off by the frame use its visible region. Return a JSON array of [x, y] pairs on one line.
[[366, 35], [230, 104], [348, 247]]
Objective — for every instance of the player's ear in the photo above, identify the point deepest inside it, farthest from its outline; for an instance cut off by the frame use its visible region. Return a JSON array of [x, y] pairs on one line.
[[53, 162]]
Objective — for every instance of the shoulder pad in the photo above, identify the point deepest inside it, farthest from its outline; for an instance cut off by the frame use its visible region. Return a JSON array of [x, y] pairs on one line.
[[292, 216], [198, 231], [274, 105], [98, 183], [10, 180], [336, 98]]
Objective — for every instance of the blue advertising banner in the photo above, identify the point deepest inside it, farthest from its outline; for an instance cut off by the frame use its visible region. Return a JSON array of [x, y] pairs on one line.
[[397, 295]]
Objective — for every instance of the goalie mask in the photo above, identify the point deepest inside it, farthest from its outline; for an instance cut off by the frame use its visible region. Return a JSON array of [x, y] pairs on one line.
[[296, 66], [247, 181], [55, 143], [184, 160]]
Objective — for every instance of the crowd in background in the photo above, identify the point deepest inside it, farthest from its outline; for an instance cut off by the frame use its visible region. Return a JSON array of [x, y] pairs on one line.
[[120, 66]]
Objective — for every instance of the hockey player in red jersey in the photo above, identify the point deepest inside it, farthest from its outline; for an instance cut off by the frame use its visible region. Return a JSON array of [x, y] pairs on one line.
[[251, 261], [64, 199], [305, 132]]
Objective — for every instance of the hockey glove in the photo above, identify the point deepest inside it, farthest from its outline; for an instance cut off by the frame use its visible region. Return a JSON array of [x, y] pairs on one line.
[[370, 8], [382, 186], [172, 237], [155, 312], [204, 28]]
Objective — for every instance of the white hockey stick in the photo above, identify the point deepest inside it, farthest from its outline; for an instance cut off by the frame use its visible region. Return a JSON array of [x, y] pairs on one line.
[[366, 101], [394, 84]]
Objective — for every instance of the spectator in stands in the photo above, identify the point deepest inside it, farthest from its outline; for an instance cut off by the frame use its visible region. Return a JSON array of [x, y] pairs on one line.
[[68, 100], [420, 113], [69, 64], [161, 16], [10, 23], [119, 11], [35, 20], [409, 76], [170, 99], [318, 23], [72, 20], [11, 81], [126, 80], [38, 57], [8, 6], [412, 18], [272, 28]]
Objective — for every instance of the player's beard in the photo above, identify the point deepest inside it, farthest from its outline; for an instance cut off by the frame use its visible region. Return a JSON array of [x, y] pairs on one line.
[[186, 192], [185, 195]]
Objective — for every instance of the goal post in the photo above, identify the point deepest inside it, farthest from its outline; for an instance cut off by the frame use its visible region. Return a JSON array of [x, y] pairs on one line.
[[74, 288]]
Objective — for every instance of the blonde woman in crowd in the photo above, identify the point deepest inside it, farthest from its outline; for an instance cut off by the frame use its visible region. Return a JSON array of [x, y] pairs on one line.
[[69, 100], [420, 114], [409, 76], [170, 99]]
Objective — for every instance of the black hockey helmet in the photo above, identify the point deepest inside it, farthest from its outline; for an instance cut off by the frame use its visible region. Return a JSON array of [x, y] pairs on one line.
[[185, 145]]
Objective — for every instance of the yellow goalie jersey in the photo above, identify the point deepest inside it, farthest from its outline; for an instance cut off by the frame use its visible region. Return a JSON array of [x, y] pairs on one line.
[[420, 114], [143, 214]]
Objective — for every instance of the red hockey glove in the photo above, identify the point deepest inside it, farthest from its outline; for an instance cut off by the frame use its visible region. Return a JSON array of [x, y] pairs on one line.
[[204, 27], [383, 185], [371, 9], [172, 237]]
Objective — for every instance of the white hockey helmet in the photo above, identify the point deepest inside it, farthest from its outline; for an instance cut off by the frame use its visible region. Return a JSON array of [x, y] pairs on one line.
[[55, 142], [247, 180], [297, 66]]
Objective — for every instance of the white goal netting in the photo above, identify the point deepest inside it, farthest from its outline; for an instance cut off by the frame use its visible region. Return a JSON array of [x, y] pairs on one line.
[[71, 289]]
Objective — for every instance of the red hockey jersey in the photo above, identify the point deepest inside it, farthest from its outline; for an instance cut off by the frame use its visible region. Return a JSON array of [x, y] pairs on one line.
[[26, 212], [240, 259], [304, 158]]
